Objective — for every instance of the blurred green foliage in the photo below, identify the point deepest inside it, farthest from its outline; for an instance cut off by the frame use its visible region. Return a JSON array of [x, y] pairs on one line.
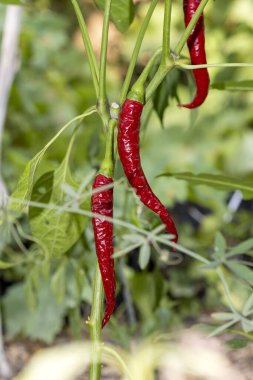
[[52, 86]]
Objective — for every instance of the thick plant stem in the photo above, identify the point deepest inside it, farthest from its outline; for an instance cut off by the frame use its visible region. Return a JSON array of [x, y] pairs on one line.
[[136, 50], [88, 46], [190, 26], [102, 101], [95, 326]]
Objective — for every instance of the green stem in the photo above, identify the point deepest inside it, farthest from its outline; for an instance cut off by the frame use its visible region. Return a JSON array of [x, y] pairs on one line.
[[166, 32], [158, 78], [136, 50], [102, 101], [210, 65], [145, 73], [95, 326], [107, 166], [88, 46], [190, 26]]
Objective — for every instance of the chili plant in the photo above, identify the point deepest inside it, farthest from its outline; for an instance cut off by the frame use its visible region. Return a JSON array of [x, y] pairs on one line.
[[125, 113]]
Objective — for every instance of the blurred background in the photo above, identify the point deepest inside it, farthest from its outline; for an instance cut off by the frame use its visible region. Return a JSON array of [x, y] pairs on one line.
[[46, 301]]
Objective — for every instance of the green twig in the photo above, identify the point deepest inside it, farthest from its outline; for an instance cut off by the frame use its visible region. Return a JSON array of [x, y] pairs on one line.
[[88, 46], [167, 63], [166, 32], [102, 101], [145, 73], [95, 324], [136, 50], [210, 65], [190, 26], [161, 73]]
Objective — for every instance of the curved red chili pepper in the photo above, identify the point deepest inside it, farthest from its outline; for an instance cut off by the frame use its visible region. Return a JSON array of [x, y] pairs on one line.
[[102, 204], [128, 147], [196, 46]]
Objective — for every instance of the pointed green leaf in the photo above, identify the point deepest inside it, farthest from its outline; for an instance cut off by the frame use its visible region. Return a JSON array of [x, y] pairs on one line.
[[241, 271], [243, 247], [164, 93], [248, 305], [57, 229], [245, 85], [122, 13], [220, 245], [144, 255], [223, 316], [247, 325], [218, 182], [24, 188]]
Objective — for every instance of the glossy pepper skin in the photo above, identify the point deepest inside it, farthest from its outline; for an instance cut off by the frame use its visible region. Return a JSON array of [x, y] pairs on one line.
[[196, 46], [102, 204], [129, 153]]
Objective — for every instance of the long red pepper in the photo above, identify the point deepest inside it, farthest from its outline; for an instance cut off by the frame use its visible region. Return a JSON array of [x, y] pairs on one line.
[[128, 147], [196, 46], [102, 204]]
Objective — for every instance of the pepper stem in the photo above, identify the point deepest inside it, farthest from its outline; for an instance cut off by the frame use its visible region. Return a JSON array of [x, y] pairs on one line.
[[95, 324]]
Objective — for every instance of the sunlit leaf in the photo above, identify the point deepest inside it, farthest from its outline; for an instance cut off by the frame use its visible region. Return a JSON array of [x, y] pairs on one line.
[[122, 13], [57, 229], [25, 184]]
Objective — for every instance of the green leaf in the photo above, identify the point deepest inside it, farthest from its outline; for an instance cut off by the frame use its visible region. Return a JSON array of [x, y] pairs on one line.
[[218, 182], [248, 305], [56, 229], [58, 283], [246, 85], [144, 255], [223, 316], [220, 245], [237, 343], [5, 265], [243, 247], [24, 188], [241, 271], [42, 323], [247, 325], [122, 13], [166, 91]]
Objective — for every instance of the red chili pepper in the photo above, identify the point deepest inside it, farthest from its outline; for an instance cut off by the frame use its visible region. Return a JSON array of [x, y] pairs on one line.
[[102, 204], [196, 46], [128, 146]]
